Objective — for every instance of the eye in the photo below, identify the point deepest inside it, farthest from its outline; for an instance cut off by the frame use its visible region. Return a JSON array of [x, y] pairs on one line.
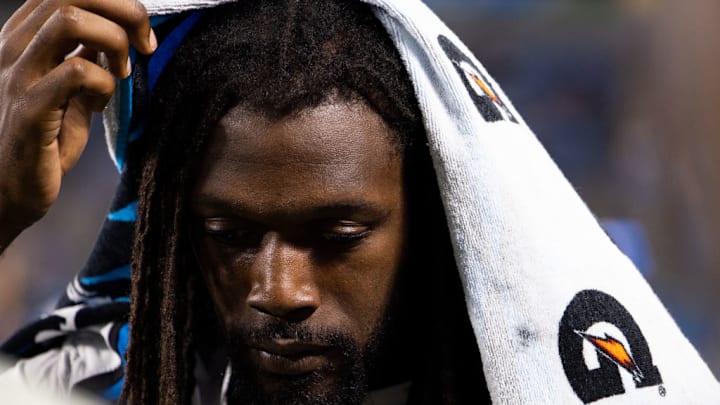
[[232, 233], [344, 233]]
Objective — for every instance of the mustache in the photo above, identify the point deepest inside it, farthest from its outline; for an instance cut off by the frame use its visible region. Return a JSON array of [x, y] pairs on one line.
[[274, 330]]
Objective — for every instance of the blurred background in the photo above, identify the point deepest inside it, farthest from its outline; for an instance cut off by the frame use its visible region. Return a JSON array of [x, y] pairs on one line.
[[623, 93]]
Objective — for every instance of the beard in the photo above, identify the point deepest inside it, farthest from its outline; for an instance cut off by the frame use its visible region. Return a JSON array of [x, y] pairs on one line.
[[344, 381]]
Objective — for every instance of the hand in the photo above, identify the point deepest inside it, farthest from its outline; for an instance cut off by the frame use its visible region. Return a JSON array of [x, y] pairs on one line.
[[50, 84]]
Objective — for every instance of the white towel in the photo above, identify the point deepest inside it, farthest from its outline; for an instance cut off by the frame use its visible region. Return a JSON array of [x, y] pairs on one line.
[[561, 316]]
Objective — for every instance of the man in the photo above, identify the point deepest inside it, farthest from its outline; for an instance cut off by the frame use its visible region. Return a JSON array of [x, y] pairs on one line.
[[290, 244]]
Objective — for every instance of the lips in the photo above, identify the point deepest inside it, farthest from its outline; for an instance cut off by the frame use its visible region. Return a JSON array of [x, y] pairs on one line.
[[287, 357]]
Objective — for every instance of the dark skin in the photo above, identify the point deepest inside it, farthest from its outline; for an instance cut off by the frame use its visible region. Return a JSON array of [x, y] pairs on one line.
[[47, 96], [300, 221]]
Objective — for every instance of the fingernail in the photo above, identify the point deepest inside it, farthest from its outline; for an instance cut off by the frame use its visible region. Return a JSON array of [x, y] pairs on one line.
[[128, 69], [153, 40]]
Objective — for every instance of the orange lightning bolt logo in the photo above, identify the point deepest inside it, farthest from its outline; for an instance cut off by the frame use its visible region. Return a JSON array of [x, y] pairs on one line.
[[485, 88], [615, 351], [486, 96]]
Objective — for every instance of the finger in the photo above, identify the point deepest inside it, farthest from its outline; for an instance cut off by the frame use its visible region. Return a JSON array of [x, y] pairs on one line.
[[74, 77], [10, 45], [68, 28], [74, 132], [129, 14], [20, 15], [83, 52]]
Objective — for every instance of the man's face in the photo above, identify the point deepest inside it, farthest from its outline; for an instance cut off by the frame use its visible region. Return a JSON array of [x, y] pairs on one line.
[[299, 229]]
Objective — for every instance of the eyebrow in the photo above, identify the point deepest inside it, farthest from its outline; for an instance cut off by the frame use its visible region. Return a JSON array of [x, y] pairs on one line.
[[333, 208]]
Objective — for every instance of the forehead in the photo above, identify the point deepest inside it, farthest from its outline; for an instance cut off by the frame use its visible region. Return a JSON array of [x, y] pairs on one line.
[[333, 133], [336, 151]]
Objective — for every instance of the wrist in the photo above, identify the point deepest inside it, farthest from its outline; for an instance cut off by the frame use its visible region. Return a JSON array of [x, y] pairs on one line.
[[7, 235], [10, 227]]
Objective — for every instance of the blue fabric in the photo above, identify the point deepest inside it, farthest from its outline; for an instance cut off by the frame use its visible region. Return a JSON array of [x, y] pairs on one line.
[[126, 214], [126, 91], [114, 391], [167, 49], [122, 273], [156, 65]]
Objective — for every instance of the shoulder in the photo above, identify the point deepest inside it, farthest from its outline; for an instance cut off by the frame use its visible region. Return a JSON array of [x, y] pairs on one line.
[[89, 358]]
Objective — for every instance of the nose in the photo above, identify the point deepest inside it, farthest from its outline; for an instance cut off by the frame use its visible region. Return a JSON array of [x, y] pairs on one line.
[[282, 282]]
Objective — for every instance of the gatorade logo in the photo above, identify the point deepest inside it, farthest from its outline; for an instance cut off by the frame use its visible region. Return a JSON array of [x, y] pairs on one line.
[[599, 341], [486, 98]]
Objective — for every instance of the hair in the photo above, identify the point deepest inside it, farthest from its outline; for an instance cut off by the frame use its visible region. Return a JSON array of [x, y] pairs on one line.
[[277, 58]]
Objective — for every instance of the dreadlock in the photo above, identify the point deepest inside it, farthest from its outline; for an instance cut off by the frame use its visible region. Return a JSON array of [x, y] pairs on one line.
[[272, 57]]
